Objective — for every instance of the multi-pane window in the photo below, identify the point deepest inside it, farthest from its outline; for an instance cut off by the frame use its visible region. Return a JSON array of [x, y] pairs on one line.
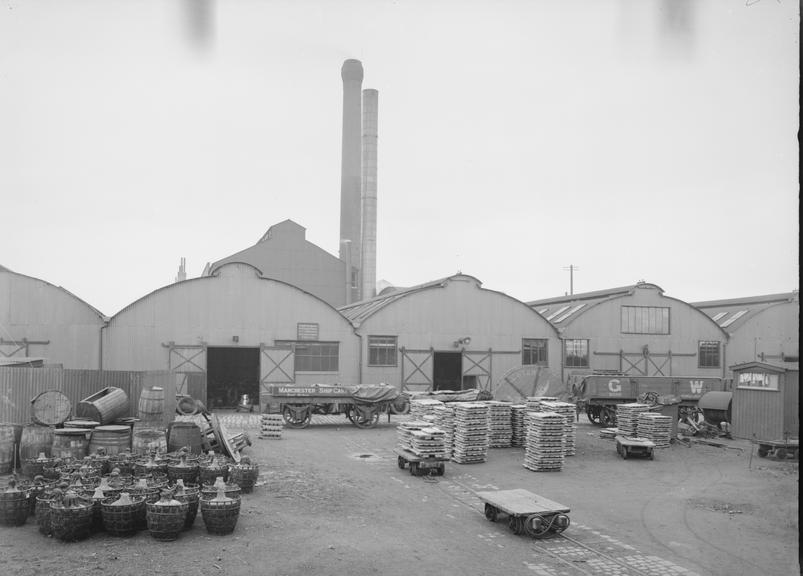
[[760, 380], [382, 351], [575, 353], [533, 351], [314, 356], [708, 354], [307, 331], [645, 320]]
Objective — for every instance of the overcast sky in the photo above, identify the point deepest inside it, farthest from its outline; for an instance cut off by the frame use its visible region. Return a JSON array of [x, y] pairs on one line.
[[634, 139]]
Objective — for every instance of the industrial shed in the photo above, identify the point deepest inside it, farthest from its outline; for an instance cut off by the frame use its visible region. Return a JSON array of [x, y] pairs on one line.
[[46, 322], [635, 330], [761, 328], [452, 334], [233, 333], [765, 401]]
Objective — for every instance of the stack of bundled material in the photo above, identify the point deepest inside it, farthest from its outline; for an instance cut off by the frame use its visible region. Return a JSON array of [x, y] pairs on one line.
[[517, 413], [444, 419], [470, 433], [544, 449], [655, 427], [428, 443], [404, 432], [423, 407], [568, 411], [534, 405], [608, 432], [627, 418], [271, 426], [500, 431]]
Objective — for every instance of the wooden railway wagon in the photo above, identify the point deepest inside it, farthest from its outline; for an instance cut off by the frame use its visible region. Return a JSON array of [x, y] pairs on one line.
[[599, 394], [362, 404]]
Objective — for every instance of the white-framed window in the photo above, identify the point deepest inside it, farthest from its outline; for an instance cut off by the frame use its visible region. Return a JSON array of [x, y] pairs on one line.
[[645, 320], [534, 351], [382, 351], [575, 353], [708, 354]]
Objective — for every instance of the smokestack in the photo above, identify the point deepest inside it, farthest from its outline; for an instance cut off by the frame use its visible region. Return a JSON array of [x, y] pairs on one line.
[[350, 170], [370, 116]]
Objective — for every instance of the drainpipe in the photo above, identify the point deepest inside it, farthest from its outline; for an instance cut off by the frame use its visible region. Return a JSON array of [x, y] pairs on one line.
[[100, 345], [359, 358]]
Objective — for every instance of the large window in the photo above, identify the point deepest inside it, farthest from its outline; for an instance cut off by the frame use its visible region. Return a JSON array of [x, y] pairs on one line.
[[645, 320], [708, 354], [575, 353], [314, 356], [534, 351], [382, 351]]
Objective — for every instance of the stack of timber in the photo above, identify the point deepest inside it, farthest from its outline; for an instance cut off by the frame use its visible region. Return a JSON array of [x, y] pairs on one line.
[[271, 426], [444, 419], [404, 432], [428, 443], [500, 430], [470, 433], [420, 407], [627, 418], [517, 412], [656, 428], [545, 442], [569, 412]]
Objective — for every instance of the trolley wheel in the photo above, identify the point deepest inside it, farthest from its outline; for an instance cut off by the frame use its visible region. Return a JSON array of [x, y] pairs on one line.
[[559, 523], [401, 405], [651, 456], [414, 469], [781, 453], [624, 452], [363, 417], [516, 524], [297, 415], [401, 462], [491, 512], [536, 525], [441, 469], [762, 452]]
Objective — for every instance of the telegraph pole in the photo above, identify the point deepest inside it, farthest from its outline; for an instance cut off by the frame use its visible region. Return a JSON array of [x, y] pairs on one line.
[[571, 268]]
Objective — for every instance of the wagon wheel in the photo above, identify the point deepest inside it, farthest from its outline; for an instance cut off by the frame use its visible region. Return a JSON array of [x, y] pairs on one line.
[[401, 462], [441, 469], [559, 523], [762, 451], [607, 418], [593, 417], [491, 512], [401, 405], [516, 524], [363, 416], [414, 469], [780, 453], [536, 525], [624, 452], [297, 415]]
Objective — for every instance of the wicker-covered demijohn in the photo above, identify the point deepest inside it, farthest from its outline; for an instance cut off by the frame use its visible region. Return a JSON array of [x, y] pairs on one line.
[[183, 469], [14, 507], [209, 491], [191, 494], [166, 517], [123, 514], [220, 513], [244, 474], [71, 517]]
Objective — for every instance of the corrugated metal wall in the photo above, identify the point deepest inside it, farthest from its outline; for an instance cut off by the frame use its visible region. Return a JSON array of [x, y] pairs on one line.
[[767, 414], [18, 386]]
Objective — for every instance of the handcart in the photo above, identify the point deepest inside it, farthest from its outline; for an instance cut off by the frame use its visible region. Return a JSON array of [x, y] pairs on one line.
[[526, 513], [782, 449], [420, 465], [627, 446]]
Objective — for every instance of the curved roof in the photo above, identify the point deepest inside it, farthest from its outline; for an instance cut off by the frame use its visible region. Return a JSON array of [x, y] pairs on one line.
[[94, 310], [733, 313]]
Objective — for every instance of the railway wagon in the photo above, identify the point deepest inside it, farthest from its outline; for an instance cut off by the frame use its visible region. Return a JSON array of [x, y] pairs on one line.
[[599, 394]]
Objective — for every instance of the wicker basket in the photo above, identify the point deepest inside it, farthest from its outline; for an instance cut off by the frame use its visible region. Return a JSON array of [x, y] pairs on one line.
[[71, 519], [244, 475], [184, 470], [209, 491], [166, 517], [43, 513], [123, 515], [191, 494], [14, 506], [220, 513]]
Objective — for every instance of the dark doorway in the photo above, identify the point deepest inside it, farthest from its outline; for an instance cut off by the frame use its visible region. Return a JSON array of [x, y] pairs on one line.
[[447, 371], [231, 372]]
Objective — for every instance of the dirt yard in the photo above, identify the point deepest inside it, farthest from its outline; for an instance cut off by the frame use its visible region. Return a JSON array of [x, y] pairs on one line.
[[332, 500]]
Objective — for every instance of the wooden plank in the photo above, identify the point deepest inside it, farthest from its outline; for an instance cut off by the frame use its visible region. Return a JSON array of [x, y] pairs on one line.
[[520, 502]]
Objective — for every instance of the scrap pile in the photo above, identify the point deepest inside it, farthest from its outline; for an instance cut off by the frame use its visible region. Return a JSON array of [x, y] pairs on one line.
[[569, 412], [500, 430], [517, 412], [545, 442], [470, 433], [271, 426], [444, 419], [627, 416], [656, 428]]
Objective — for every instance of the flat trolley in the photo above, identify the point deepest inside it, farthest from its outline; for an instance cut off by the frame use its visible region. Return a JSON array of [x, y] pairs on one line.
[[782, 449], [420, 465], [627, 446], [526, 513]]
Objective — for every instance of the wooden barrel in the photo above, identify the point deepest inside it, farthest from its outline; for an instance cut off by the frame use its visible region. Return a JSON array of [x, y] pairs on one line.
[[104, 406], [70, 443], [6, 448], [184, 434], [186, 405], [113, 438], [147, 439], [91, 424], [50, 408], [34, 440], [151, 404]]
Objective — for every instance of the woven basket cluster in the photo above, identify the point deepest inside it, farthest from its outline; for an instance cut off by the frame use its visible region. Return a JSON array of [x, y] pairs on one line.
[[220, 516]]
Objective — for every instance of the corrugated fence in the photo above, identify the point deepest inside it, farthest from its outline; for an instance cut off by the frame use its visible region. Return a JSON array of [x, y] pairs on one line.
[[19, 386]]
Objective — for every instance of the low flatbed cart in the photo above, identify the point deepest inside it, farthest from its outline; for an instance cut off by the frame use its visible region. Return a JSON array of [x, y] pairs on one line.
[[527, 513], [627, 446], [420, 465], [779, 448]]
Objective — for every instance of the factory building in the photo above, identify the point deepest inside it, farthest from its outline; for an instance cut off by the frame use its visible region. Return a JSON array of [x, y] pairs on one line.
[[635, 330], [232, 333], [452, 334], [760, 328], [43, 323]]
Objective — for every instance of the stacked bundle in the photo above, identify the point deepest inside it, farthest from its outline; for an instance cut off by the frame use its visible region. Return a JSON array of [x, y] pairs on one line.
[[444, 419], [271, 426], [656, 428], [470, 433], [428, 443], [569, 412], [534, 405], [517, 412], [609, 433], [422, 407], [404, 432], [545, 442], [500, 430], [627, 418]]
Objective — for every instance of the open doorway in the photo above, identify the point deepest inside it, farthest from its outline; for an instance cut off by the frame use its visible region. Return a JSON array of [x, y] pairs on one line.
[[447, 371], [231, 372]]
